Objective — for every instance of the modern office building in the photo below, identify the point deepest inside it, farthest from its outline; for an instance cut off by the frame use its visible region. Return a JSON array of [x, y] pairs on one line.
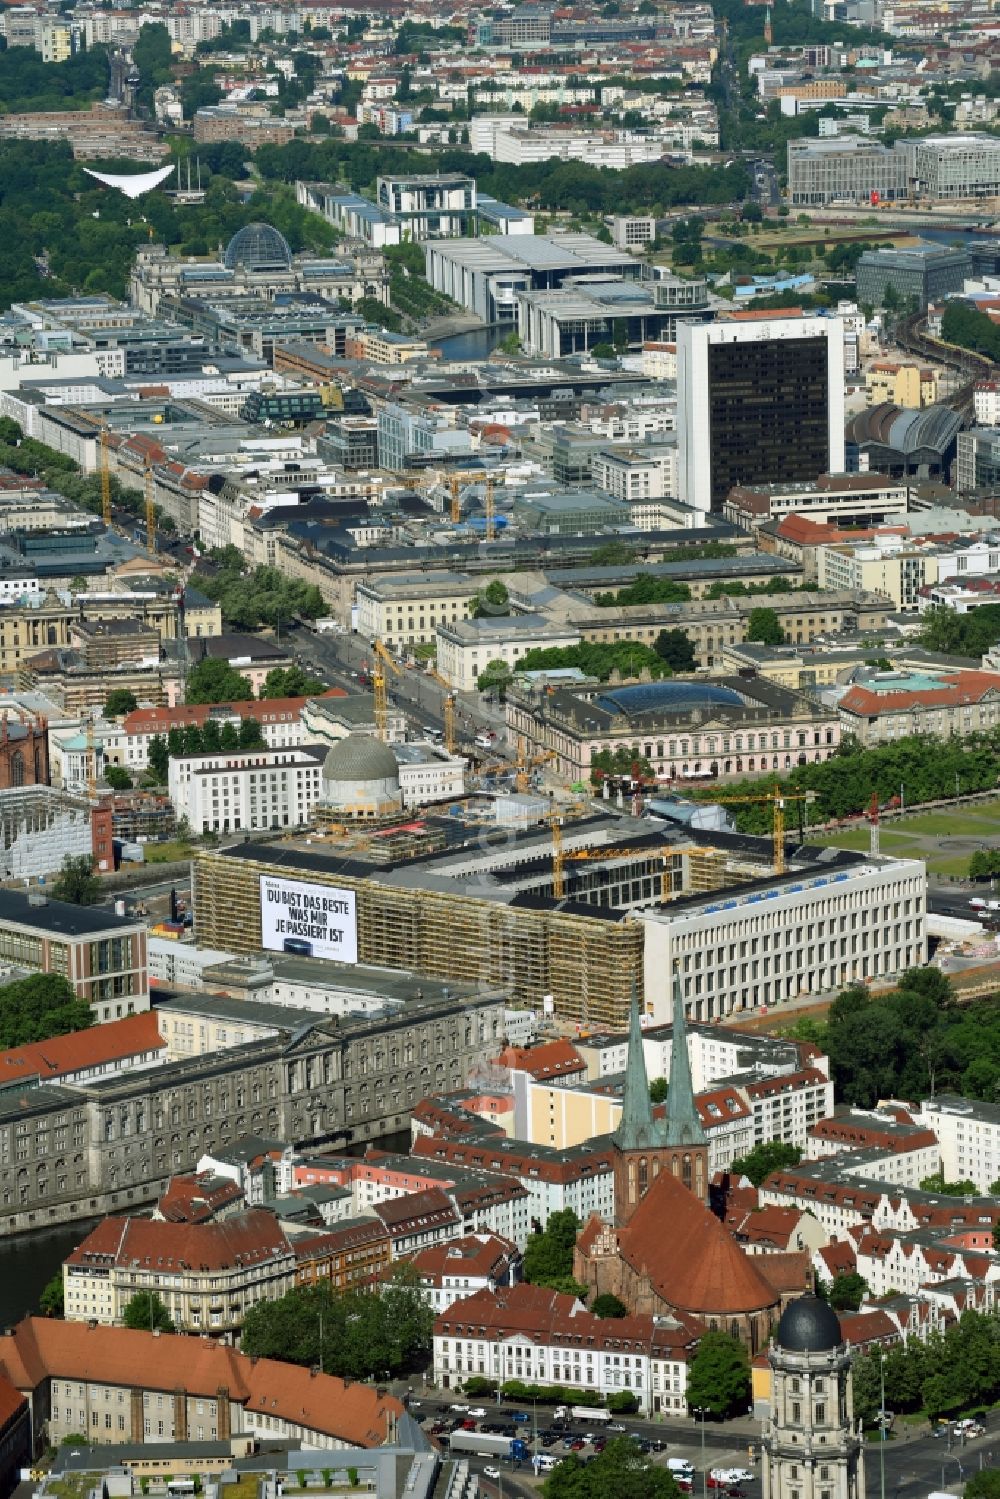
[[485, 275], [760, 399], [102, 955], [430, 205], [953, 166], [917, 273], [607, 310], [844, 168]]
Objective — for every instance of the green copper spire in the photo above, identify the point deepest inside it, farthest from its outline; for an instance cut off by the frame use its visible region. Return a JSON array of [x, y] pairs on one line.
[[637, 1130], [683, 1121]]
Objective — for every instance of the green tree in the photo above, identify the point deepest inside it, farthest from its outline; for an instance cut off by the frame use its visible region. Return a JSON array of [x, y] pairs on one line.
[[76, 881], [366, 1334], [291, 681], [159, 758], [548, 1255], [621, 1469], [676, 649], [491, 598], [984, 1485], [495, 677], [937, 1183], [772, 1155], [867, 1387], [52, 1301], [119, 702], [658, 1090], [213, 680], [719, 1376], [764, 627], [40, 1006], [118, 778], [605, 1306], [145, 1312], [847, 1291]]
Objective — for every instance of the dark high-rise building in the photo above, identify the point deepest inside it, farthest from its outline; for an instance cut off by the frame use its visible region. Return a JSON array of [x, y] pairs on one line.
[[760, 400]]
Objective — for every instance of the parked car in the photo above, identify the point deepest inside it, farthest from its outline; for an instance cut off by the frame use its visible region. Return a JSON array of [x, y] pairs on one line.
[[577, 1444], [491, 1472], [477, 1410], [520, 1416], [616, 1426], [463, 1408]]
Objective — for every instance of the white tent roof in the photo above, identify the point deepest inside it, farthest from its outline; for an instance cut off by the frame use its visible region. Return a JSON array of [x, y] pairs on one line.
[[134, 185]]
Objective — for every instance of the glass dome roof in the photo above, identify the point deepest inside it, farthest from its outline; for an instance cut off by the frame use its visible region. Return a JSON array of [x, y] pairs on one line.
[[648, 697], [258, 247]]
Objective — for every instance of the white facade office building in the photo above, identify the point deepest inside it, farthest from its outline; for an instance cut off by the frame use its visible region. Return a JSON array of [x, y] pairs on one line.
[[805, 933], [760, 400]]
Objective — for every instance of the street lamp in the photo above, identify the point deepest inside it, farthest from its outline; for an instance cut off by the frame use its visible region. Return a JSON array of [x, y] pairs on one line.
[[701, 1410]]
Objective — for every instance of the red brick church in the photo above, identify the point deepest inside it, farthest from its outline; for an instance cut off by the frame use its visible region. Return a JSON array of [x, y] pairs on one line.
[[24, 753], [666, 1252]]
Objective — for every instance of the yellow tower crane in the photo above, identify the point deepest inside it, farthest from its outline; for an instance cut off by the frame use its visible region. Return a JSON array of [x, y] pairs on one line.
[[450, 741], [150, 512], [382, 659], [525, 763], [105, 477], [777, 799]]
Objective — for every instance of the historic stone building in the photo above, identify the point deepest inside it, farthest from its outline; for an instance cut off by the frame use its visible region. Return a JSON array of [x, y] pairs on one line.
[[81, 1151], [666, 1253], [643, 1147], [24, 753], [811, 1446]]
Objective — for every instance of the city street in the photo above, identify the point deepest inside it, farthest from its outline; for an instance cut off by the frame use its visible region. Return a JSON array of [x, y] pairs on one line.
[[915, 1465]]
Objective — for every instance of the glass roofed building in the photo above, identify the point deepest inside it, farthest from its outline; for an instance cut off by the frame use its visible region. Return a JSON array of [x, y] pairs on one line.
[[687, 728]]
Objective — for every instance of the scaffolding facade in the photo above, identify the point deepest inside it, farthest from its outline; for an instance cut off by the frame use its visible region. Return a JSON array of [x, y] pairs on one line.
[[588, 964]]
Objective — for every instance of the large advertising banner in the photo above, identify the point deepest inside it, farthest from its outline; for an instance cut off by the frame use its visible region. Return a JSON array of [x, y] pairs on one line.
[[312, 921]]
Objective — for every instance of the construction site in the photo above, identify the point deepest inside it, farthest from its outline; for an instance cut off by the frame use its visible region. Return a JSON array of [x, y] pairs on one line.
[[563, 907]]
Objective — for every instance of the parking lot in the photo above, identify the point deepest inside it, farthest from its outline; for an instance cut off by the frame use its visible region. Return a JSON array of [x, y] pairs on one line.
[[731, 1473]]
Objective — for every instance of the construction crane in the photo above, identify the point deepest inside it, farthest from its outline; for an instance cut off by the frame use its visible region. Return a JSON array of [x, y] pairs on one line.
[[382, 659], [555, 822], [450, 742], [150, 512], [455, 482], [105, 477], [777, 799], [525, 763]]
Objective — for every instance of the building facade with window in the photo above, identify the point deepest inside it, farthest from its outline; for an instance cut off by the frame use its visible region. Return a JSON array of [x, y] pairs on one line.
[[103, 956]]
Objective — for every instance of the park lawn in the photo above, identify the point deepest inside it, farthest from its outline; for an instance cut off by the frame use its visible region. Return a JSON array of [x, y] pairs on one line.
[[167, 853], [953, 824], [956, 865]]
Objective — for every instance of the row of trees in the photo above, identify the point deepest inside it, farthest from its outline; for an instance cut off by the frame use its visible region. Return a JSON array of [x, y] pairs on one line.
[[962, 325], [207, 739], [955, 634], [952, 1372], [843, 785]]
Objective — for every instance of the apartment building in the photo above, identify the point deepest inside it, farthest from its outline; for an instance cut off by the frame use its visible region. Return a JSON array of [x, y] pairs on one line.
[[115, 1386], [253, 790], [454, 1271], [279, 720], [894, 705], [579, 1177], [901, 384], [968, 1135], [846, 500], [208, 1275], [402, 611], [103, 956], [636, 475], [543, 1337], [891, 565]]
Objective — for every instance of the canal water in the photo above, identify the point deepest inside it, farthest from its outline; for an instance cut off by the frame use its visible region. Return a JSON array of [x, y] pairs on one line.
[[478, 343], [28, 1263]]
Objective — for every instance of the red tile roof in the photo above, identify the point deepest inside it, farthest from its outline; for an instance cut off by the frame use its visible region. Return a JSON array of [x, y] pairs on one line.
[[957, 688], [197, 1198], [40, 1349], [551, 1059], [697, 1266], [82, 1050], [247, 1239], [268, 710], [549, 1316]]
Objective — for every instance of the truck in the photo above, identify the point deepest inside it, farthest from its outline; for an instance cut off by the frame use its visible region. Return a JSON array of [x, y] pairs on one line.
[[485, 1444], [590, 1413]]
